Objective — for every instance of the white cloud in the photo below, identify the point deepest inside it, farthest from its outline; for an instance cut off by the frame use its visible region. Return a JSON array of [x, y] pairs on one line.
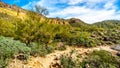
[[86, 14], [73, 2], [92, 11], [110, 4]]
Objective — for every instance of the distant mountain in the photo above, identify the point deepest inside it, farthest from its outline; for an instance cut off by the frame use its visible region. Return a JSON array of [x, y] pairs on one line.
[[76, 22], [108, 23]]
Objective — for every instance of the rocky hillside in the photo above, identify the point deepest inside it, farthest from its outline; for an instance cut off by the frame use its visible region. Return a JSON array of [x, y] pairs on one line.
[[108, 24], [15, 11], [75, 22]]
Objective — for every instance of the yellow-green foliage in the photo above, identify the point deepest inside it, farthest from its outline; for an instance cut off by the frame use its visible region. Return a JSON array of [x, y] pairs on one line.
[[6, 28], [37, 28], [13, 13], [29, 31]]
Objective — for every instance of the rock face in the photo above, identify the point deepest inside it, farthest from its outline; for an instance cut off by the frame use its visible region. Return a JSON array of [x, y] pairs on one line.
[[13, 7], [4, 5], [116, 47], [57, 21]]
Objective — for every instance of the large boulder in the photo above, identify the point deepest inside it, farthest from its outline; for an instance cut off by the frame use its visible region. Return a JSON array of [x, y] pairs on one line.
[[116, 47]]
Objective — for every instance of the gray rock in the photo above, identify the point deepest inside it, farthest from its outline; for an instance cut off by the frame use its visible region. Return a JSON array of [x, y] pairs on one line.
[[116, 47]]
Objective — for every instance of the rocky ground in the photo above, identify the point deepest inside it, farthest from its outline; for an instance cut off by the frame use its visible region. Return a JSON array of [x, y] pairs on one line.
[[52, 60]]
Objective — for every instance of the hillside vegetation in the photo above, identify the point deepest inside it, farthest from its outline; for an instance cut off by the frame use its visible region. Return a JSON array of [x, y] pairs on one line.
[[32, 34]]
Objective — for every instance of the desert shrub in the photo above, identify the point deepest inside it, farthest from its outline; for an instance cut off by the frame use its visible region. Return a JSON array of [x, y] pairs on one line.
[[61, 48], [85, 39], [82, 39], [9, 48], [101, 59], [58, 45], [3, 63], [40, 32], [6, 28], [63, 37], [96, 59], [68, 62], [40, 49]]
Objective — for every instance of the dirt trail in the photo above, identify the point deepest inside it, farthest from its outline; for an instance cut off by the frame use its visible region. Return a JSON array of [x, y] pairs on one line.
[[40, 62]]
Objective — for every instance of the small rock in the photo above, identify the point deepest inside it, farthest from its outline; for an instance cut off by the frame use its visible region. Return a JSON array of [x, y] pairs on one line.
[[60, 44], [56, 58], [87, 66], [118, 54], [116, 47], [56, 65], [21, 57]]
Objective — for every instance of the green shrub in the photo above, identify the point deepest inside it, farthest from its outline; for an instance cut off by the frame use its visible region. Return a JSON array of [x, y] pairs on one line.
[[61, 48], [96, 59], [40, 49], [101, 59], [3, 63], [82, 39], [9, 48], [67, 61], [6, 28]]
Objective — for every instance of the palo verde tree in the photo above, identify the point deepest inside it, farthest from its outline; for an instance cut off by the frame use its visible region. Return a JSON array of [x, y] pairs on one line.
[[41, 10]]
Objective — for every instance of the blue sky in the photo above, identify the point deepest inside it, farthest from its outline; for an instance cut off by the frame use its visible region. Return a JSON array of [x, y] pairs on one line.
[[89, 11]]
